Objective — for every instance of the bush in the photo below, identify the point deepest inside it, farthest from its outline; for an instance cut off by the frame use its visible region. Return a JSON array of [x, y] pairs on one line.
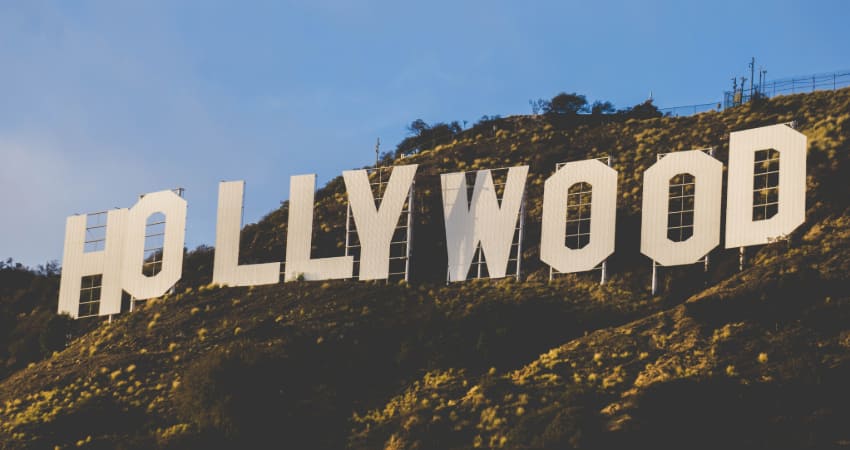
[[55, 334], [566, 104], [209, 395], [249, 397]]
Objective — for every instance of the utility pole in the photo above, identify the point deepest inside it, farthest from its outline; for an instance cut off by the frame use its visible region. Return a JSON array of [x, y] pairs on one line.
[[731, 101], [752, 74], [377, 152]]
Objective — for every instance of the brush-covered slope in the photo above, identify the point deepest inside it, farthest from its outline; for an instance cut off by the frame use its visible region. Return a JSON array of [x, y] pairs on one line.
[[752, 359]]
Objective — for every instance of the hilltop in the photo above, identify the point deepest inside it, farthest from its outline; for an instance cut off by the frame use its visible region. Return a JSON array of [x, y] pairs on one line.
[[749, 359]]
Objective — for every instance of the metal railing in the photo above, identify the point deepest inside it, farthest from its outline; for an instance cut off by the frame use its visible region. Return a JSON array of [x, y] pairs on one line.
[[784, 86], [766, 89], [689, 110]]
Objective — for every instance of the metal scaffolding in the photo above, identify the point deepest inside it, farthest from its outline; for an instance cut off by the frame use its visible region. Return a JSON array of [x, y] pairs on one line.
[[95, 232]]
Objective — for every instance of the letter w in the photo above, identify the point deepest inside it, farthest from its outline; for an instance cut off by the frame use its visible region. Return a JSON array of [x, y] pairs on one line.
[[481, 221]]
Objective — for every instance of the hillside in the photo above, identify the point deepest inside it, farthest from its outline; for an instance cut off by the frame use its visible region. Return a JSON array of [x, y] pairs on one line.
[[750, 359]]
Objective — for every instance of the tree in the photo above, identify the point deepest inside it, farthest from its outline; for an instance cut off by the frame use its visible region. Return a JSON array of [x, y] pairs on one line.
[[645, 110], [49, 268], [538, 105], [10, 264], [567, 104], [600, 107], [422, 136], [417, 127]]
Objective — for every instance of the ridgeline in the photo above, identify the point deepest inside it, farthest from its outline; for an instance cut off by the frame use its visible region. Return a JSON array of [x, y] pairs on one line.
[[758, 358]]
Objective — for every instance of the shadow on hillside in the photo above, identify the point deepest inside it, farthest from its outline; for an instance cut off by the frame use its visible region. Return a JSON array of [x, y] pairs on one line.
[[99, 416], [724, 413]]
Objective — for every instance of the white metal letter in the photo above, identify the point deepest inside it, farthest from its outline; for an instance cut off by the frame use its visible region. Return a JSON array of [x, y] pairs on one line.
[[708, 178], [376, 226], [77, 264], [300, 235], [483, 221], [226, 268], [741, 229], [603, 215], [134, 281]]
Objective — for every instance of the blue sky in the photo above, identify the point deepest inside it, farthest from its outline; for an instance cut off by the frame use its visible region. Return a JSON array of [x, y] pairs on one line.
[[101, 101]]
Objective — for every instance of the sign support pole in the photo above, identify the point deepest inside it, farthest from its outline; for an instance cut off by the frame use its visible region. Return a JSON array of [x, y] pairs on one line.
[[604, 275], [740, 259], [654, 277], [409, 250], [519, 238]]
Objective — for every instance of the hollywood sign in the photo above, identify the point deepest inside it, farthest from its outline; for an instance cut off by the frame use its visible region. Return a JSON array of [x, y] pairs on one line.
[[766, 173]]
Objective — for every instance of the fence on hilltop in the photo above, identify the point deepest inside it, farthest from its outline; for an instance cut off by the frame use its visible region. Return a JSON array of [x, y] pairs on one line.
[[766, 89]]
